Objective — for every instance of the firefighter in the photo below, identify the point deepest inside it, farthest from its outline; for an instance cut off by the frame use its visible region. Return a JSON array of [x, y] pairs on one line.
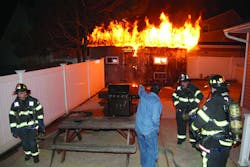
[[26, 119], [212, 126], [186, 99]]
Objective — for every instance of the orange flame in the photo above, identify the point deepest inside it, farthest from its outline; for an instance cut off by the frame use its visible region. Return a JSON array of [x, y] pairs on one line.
[[124, 34]]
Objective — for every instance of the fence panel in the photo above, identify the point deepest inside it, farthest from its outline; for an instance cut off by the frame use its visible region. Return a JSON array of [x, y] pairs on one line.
[[83, 80], [7, 87], [77, 84], [96, 76], [47, 86]]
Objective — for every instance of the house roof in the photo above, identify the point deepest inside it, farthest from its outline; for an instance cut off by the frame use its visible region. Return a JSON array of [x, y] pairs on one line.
[[223, 20], [242, 28], [232, 32], [212, 28]]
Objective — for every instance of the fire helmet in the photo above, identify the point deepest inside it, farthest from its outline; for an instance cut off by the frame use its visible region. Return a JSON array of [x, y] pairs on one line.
[[217, 81], [21, 88], [183, 78]]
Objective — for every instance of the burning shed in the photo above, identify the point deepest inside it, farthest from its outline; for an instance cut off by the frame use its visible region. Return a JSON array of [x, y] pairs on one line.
[[153, 54], [152, 64]]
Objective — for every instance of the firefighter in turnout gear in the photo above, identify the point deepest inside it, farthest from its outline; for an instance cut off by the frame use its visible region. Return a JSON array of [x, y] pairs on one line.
[[186, 99], [212, 126], [26, 120]]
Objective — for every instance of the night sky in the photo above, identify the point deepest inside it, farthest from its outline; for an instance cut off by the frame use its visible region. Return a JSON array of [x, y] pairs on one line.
[[208, 8], [177, 10]]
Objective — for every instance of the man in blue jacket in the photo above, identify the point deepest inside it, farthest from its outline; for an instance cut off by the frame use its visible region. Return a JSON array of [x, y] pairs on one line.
[[147, 125]]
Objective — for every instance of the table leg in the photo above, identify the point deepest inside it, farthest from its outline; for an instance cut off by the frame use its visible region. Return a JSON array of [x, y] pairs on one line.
[[128, 142], [54, 142], [128, 137], [65, 140], [124, 134], [127, 160], [132, 137]]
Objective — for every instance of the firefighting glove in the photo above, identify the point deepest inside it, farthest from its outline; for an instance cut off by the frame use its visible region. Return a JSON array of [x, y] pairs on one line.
[[40, 133], [41, 126]]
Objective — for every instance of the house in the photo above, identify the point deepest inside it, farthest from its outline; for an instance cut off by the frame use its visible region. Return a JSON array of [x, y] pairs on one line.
[[233, 33], [216, 53], [230, 33]]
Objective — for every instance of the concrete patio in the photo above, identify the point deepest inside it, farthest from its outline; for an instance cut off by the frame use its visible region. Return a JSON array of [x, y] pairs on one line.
[[171, 154]]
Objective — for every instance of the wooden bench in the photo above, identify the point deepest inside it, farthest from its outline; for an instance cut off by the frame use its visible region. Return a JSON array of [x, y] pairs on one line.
[[119, 149], [120, 124], [115, 149]]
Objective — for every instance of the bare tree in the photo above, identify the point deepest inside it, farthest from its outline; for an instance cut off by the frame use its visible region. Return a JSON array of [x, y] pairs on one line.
[[59, 25]]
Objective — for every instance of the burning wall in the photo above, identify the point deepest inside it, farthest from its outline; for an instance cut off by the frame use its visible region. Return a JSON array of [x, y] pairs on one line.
[[142, 69]]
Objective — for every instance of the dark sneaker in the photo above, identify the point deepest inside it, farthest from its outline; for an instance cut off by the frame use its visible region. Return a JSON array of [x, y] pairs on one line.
[[27, 157], [36, 159]]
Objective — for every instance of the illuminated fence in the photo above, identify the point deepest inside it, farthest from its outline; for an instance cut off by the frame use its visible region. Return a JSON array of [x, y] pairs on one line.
[[59, 90]]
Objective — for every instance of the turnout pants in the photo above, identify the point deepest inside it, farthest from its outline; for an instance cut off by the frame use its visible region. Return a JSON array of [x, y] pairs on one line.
[[181, 128], [29, 143], [215, 158]]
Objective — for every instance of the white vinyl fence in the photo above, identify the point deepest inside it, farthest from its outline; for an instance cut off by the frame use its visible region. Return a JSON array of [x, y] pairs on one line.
[[202, 66], [58, 89]]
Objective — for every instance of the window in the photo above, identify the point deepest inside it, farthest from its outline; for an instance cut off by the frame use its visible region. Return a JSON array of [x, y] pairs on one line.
[[160, 60], [160, 75], [112, 60]]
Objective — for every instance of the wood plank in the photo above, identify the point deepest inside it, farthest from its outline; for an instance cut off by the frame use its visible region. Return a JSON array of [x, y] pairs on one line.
[[97, 123], [127, 149]]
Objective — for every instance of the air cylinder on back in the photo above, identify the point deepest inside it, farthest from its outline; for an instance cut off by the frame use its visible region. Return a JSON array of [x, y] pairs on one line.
[[235, 120]]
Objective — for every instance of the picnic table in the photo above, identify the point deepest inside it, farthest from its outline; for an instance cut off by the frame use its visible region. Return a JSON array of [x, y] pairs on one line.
[[72, 127]]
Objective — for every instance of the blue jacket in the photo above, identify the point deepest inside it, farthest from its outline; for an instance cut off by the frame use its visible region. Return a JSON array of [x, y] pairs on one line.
[[148, 112]]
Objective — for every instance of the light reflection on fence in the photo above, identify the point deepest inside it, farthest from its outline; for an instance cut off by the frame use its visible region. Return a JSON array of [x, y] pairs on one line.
[[82, 81]]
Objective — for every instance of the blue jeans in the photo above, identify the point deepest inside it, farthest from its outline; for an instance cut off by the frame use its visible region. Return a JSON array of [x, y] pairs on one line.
[[148, 145]]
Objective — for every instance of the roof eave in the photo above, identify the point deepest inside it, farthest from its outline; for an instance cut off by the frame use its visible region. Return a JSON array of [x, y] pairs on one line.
[[242, 28]]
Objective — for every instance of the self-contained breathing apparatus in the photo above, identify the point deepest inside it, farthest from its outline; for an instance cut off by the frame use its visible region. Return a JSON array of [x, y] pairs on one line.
[[231, 132], [235, 121], [231, 109]]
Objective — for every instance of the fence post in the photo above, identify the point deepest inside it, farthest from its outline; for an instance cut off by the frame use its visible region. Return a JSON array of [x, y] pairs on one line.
[[20, 75], [88, 76], [65, 87]]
